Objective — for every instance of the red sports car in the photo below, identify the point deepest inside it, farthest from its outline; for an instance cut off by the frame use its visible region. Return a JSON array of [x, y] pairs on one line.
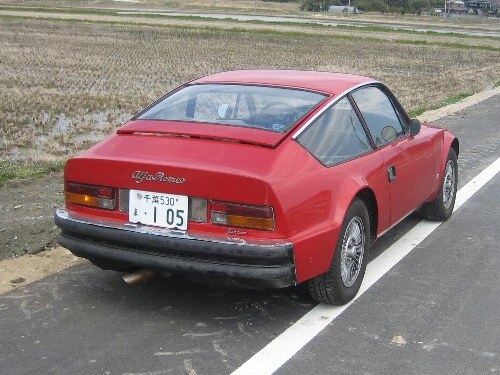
[[267, 177]]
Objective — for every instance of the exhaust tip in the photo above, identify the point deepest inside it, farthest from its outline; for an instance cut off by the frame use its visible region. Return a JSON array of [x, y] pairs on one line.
[[138, 276]]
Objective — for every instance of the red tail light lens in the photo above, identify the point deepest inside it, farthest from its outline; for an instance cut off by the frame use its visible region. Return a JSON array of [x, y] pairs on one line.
[[238, 215], [90, 195]]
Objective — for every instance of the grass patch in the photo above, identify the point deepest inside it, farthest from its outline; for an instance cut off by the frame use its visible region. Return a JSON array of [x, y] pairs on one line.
[[389, 29], [10, 170], [59, 10], [451, 100]]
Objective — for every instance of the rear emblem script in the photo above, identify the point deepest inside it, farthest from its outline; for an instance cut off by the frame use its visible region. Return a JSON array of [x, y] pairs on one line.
[[140, 176]]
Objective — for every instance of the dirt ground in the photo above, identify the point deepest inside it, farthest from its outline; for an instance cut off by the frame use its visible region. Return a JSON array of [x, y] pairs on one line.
[[23, 270], [28, 250], [26, 215]]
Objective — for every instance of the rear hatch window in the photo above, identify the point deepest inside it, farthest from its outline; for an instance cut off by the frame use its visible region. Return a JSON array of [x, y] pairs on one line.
[[275, 109]]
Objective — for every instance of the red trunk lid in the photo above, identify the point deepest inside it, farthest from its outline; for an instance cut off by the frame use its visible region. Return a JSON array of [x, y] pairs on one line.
[[194, 167]]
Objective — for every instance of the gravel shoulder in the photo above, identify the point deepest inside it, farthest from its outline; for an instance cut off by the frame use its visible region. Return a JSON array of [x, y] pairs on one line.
[[28, 250]]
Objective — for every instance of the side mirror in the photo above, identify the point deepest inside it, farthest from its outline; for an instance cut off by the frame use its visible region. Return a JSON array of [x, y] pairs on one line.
[[414, 127]]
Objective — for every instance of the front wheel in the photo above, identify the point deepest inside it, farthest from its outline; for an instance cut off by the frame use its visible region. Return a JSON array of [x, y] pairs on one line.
[[441, 208], [343, 279]]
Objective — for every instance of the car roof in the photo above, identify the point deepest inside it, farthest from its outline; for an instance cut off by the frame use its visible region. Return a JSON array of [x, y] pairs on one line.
[[326, 82]]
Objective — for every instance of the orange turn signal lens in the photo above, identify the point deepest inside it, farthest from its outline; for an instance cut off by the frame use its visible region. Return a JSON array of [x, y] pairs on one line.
[[89, 195], [237, 215], [86, 200], [250, 222]]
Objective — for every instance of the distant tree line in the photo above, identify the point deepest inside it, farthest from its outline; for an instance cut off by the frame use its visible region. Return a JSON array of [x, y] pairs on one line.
[[383, 6]]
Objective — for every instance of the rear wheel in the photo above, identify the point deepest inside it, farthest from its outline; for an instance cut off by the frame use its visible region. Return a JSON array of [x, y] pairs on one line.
[[441, 208], [343, 279]]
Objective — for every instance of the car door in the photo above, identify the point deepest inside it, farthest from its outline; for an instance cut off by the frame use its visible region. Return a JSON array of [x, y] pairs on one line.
[[409, 160]]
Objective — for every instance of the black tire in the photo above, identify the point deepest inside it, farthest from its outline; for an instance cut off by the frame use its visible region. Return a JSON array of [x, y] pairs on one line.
[[441, 208], [333, 287]]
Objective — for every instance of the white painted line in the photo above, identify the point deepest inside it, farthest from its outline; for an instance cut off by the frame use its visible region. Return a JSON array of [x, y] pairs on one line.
[[283, 347], [476, 183]]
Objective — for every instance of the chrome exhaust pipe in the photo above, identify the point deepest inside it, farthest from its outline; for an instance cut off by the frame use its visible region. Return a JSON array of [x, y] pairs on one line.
[[138, 276]]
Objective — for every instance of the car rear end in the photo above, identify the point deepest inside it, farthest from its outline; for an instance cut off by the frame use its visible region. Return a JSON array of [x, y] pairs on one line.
[[194, 183], [177, 204]]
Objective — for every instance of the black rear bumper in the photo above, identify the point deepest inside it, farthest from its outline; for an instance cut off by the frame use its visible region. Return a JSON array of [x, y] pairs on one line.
[[262, 264]]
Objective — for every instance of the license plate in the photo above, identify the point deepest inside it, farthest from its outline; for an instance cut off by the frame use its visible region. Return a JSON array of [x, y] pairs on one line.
[[158, 209]]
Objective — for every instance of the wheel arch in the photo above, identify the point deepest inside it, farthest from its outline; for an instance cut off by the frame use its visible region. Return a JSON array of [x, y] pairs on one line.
[[370, 200], [449, 142], [455, 144]]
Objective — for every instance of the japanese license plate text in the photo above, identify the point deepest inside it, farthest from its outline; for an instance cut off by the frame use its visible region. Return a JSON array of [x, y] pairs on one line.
[[158, 209]]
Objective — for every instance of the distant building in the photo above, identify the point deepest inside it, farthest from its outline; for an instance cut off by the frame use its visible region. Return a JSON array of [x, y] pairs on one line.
[[456, 7], [480, 6], [467, 7]]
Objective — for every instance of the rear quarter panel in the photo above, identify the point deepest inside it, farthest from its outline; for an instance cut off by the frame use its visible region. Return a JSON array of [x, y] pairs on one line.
[[444, 141], [314, 200]]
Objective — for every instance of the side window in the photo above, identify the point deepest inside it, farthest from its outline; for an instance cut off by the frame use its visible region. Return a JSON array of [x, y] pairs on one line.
[[379, 114], [336, 136], [241, 110]]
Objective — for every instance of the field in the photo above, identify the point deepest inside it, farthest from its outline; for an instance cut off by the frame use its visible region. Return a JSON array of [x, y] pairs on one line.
[[68, 79]]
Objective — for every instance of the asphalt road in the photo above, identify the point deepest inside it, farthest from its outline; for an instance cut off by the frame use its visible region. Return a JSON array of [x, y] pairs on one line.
[[435, 312]]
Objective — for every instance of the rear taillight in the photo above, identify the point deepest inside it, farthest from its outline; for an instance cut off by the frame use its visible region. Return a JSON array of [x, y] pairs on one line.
[[90, 195], [238, 215]]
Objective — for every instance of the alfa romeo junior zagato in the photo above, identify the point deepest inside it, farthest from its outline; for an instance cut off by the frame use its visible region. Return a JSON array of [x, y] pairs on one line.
[[271, 178]]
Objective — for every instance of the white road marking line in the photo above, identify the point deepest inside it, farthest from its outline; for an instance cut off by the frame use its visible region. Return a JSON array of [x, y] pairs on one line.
[[283, 347], [476, 183]]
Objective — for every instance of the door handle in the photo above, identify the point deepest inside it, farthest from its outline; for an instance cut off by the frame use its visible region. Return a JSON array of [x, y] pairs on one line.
[[391, 173]]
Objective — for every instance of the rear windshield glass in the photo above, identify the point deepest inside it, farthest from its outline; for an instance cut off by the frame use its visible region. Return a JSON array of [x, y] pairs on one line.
[[271, 108]]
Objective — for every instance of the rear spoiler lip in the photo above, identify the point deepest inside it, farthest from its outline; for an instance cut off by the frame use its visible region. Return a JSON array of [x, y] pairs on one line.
[[198, 136], [227, 133]]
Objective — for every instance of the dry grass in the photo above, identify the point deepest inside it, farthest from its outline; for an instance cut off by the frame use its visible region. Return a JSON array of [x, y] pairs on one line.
[[367, 32], [236, 6], [65, 85]]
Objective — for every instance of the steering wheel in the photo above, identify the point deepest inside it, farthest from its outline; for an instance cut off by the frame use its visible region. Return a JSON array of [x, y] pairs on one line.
[[276, 113], [275, 106]]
